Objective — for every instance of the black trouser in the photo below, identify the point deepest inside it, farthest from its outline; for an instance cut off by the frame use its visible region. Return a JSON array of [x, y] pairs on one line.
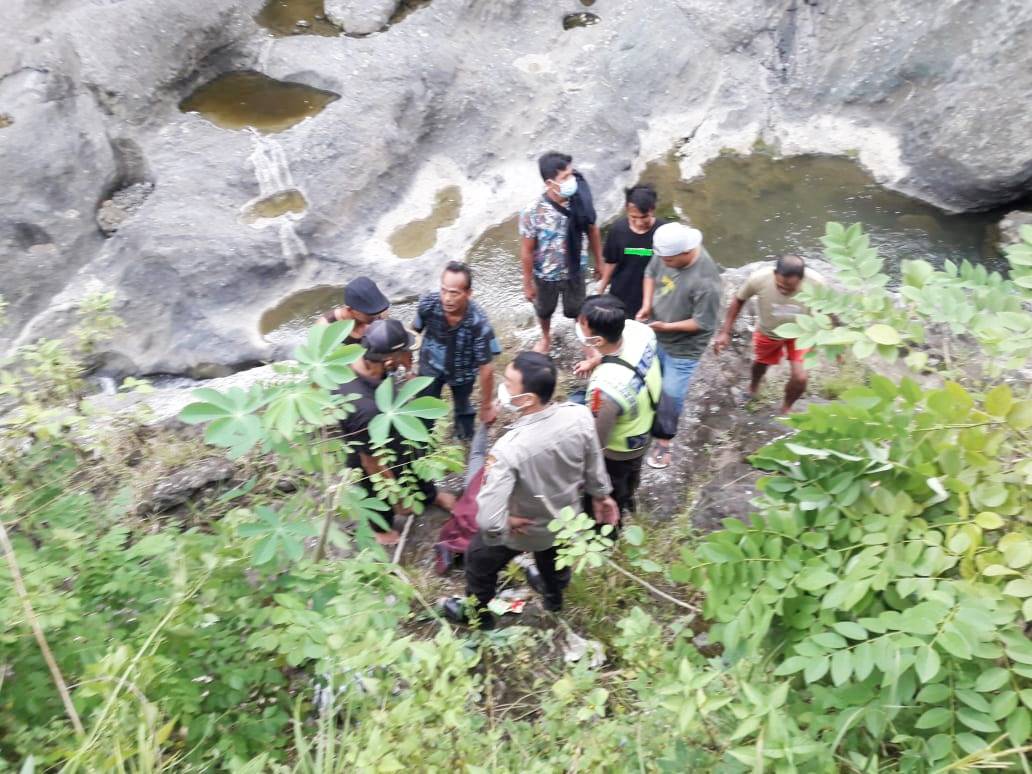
[[625, 475], [484, 562], [465, 414]]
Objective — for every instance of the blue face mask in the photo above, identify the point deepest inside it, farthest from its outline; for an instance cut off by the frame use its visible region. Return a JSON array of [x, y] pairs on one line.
[[568, 187]]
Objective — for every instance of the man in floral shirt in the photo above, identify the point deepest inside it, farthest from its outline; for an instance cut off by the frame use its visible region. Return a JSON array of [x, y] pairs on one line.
[[458, 346], [556, 232]]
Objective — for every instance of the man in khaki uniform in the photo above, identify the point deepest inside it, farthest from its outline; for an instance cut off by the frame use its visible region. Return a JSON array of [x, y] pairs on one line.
[[548, 458], [775, 290]]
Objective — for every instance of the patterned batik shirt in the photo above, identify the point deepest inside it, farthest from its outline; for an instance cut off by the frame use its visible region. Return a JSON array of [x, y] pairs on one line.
[[547, 227], [454, 354]]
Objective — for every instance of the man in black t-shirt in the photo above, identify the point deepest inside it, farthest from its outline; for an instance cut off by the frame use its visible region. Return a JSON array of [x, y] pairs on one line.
[[628, 249], [388, 346]]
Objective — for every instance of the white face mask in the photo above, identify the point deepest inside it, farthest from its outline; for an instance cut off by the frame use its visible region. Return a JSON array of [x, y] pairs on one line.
[[507, 400], [587, 341], [568, 187]]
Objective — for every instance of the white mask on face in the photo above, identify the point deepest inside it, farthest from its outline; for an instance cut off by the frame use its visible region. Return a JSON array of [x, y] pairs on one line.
[[507, 400], [587, 341], [568, 187]]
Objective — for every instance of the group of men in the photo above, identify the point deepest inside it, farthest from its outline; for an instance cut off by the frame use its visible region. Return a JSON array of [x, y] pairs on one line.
[[656, 310]]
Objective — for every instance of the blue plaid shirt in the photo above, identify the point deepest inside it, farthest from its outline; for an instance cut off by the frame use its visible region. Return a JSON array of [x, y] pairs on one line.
[[454, 354]]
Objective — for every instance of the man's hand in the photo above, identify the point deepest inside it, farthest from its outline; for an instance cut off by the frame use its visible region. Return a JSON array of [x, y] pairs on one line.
[[519, 525], [529, 290], [720, 341], [606, 511], [584, 368], [659, 326], [643, 314], [488, 411]]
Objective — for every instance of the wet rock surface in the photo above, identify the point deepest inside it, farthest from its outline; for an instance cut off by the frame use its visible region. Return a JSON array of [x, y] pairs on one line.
[[463, 92]]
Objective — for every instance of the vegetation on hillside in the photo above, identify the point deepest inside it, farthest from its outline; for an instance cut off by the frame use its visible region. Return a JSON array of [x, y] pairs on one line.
[[869, 616]]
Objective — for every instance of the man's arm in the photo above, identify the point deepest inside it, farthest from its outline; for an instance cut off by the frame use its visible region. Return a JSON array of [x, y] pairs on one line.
[[488, 410], [493, 500], [723, 338], [648, 289], [608, 270], [527, 247], [595, 246], [596, 479], [606, 411]]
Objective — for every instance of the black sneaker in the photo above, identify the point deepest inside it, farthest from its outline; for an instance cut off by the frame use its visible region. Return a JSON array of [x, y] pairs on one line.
[[455, 610], [553, 603]]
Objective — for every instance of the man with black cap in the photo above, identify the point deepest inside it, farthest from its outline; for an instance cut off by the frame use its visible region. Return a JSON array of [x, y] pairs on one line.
[[363, 303], [388, 347]]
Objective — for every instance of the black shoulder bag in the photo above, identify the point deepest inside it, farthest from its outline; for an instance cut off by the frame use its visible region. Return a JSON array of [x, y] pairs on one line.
[[664, 414]]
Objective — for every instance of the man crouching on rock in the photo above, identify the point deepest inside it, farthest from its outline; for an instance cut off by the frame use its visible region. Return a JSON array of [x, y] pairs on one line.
[[550, 454]]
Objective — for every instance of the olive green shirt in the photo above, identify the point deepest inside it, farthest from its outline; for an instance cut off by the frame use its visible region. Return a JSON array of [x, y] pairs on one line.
[[691, 293], [774, 308]]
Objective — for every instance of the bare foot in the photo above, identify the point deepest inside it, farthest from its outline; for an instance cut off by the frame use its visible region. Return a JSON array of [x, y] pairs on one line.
[[387, 539], [446, 501], [543, 346]]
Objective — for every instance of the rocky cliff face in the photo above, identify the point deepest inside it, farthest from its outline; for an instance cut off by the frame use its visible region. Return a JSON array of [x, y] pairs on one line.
[[931, 95]]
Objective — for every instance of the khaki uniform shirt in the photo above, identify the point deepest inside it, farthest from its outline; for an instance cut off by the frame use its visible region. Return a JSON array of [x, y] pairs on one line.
[[539, 467], [774, 308]]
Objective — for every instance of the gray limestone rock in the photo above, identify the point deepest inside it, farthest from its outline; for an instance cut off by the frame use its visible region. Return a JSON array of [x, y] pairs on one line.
[[459, 92]]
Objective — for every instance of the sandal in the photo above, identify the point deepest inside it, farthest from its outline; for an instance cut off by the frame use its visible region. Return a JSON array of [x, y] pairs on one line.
[[660, 457]]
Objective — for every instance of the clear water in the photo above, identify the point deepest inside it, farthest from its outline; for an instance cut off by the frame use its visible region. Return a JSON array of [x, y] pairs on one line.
[[415, 238], [274, 205], [250, 99], [281, 18], [756, 207]]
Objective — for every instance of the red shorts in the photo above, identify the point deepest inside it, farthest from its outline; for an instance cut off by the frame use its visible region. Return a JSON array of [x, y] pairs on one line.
[[769, 351]]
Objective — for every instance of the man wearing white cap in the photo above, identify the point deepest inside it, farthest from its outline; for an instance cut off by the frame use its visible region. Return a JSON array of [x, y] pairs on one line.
[[681, 303]]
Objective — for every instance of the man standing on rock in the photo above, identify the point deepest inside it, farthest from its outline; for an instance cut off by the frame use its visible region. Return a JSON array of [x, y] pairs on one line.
[[556, 232], [387, 348], [623, 392], [775, 290], [549, 456], [628, 248], [458, 346], [681, 303], [363, 303]]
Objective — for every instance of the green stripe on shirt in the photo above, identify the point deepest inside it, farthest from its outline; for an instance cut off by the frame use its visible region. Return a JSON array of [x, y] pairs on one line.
[[646, 251]]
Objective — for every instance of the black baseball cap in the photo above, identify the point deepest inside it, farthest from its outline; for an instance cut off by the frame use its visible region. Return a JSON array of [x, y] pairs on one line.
[[385, 337], [362, 295]]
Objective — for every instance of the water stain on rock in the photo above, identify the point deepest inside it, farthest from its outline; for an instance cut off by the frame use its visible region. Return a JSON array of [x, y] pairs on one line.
[[580, 19], [298, 311], [286, 323], [289, 202], [759, 206], [5, 120], [296, 17], [250, 99], [415, 238]]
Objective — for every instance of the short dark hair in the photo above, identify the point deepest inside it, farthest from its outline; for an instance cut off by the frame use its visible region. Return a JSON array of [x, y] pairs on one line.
[[458, 267], [606, 315], [538, 374], [642, 196], [790, 266], [552, 163]]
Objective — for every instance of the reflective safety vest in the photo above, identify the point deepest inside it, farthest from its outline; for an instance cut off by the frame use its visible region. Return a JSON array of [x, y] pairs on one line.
[[626, 388]]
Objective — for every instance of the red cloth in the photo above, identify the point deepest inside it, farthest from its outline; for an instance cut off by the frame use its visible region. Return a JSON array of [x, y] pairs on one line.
[[769, 351], [462, 526]]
